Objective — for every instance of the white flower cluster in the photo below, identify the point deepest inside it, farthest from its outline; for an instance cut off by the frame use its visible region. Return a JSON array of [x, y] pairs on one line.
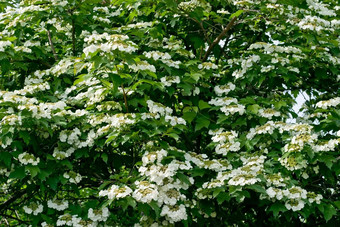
[[108, 43], [73, 177], [329, 145], [60, 155], [202, 161], [157, 108], [156, 55], [33, 88], [4, 44], [295, 197], [174, 213], [207, 65], [167, 81], [246, 64], [68, 220], [224, 89], [232, 109], [33, 208], [271, 48], [116, 192], [57, 204], [26, 158], [226, 141], [142, 65], [320, 8], [98, 215], [314, 23], [175, 120], [328, 103], [247, 174], [269, 113], [192, 5]]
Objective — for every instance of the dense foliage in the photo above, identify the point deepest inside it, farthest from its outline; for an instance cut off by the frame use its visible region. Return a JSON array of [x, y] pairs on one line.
[[169, 112]]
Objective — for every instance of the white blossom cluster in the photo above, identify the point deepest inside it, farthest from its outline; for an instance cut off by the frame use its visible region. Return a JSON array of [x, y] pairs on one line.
[[169, 80], [108, 43], [226, 141], [207, 65], [224, 89], [245, 63], [202, 161], [142, 65], [157, 55], [269, 113], [33, 208], [116, 192], [73, 177], [57, 204], [328, 103], [98, 215], [193, 4], [60, 155], [26, 158], [295, 197], [247, 174], [4, 45]]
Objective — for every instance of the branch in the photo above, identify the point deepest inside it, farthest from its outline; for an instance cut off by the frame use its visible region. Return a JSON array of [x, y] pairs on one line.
[[11, 200], [125, 99], [73, 38], [218, 39], [51, 44], [14, 218]]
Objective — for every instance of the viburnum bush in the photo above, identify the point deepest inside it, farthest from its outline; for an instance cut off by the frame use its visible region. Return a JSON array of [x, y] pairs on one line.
[[169, 112]]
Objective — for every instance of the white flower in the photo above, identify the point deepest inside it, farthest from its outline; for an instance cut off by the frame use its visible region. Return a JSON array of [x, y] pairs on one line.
[[224, 89], [26, 158], [57, 204], [98, 215], [174, 213], [116, 192], [175, 120]]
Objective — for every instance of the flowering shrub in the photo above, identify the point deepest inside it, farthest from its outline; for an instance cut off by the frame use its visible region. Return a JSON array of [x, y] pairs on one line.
[[166, 112]]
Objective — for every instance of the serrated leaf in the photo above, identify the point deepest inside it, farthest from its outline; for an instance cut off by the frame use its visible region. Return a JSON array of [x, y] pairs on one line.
[[203, 105], [156, 208], [201, 122], [236, 14], [276, 208], [18, 173], [329, 212], [189, 116]]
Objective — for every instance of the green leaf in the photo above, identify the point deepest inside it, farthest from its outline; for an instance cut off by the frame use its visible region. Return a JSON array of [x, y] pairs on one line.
[[18, 173], [183, 178], [34, 170], [155, 207], [236, 14], [203, 105], [329, 212], [337, 204], [257, 188], [189, 116], [104, 157], [253, 108], [202, 122], [276, 208], [223, 196]]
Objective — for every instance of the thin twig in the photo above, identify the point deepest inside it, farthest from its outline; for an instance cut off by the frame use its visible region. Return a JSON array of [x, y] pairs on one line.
[[125, 99], [14, 218], [51, 44], [124, 94], [218, 39], [73, 38]]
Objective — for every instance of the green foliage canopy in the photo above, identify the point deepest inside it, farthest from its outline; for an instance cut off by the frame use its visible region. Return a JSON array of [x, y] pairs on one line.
[[166, 112]]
